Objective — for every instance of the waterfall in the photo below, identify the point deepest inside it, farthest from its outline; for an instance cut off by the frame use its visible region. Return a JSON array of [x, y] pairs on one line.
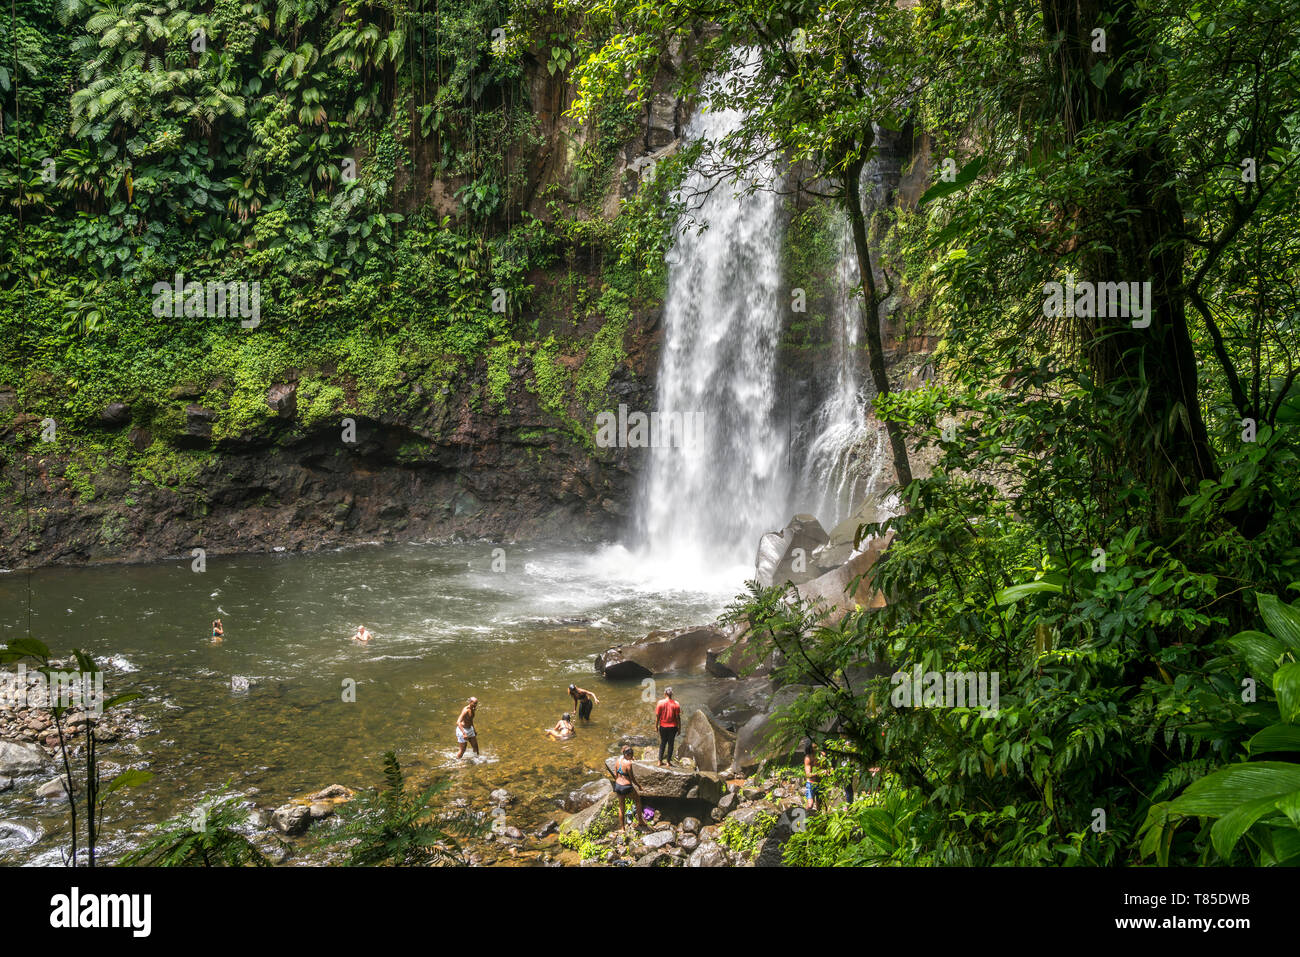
[[702, 508], [707, 504], [847, 454]]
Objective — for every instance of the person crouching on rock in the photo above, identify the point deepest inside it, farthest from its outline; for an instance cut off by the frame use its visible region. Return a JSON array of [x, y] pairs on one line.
[[625, 784], [563, 729], [465, 733], [668, 717], [582, 701]]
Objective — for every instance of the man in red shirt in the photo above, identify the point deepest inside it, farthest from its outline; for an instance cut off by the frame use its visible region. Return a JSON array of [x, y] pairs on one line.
[[668, 718]]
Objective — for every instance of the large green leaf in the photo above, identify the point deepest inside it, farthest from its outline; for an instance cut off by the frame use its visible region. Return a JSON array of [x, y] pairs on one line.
[[1014, 593], [1286, 684], [963, 179], [1276, 737], [1227, 789], [1282, 620], [1261, 652], [1229, 828]]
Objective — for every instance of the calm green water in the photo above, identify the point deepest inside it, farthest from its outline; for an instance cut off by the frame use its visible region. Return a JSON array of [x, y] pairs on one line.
[[447, 626]]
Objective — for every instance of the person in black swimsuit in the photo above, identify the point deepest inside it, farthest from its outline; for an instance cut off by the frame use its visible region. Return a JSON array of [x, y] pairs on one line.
[[582, 701], [624, 784]]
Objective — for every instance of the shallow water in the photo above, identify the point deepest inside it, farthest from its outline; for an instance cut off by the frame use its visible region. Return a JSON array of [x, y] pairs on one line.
[[446, 624]]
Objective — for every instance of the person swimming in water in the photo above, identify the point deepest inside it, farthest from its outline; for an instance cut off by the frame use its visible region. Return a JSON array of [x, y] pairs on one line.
[[218, 632], [563, 729], [362, 635]]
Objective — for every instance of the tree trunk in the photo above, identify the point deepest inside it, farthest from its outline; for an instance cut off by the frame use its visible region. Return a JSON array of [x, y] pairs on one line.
[[871, 313]]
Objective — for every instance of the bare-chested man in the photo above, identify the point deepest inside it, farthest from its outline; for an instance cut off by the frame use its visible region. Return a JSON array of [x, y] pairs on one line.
[[465, 733]]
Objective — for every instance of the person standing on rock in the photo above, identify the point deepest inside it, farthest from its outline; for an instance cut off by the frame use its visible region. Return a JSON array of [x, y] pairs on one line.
[[668, 718], [465, 733], [582, 701], [812, 777], [625, 784]]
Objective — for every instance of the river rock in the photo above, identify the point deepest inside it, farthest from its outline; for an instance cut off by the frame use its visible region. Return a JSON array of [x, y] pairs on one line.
[[658, 839], [735, 702], [513, 833], [54, 789], [334, 792], [770, 849], [319, 810], [787, 555], [708, 854], [587, 795], [18, 759], [587, 816], [501, 797], [670, 782], [13, 832], [830, 589], [655, 859], [547, 829], [688, 842], [691, 825], [707, 743], [291, 818], [659, 653], [752, 740], [6, 783], [258, 820]]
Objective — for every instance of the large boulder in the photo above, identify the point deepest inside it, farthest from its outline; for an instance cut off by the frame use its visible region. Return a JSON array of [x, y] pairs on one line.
[[831, 588], [291, 818], [673, 783], [662, 653], [769, 852], [18, 759], [587, 795], [752, 740], [707, 743], [840, 547], [708, 854], [735, 702], [581, 821], [787, 555]]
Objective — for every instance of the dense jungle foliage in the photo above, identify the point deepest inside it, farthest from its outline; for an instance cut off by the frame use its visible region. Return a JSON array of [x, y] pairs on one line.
[[374, 167], [1112, 525]]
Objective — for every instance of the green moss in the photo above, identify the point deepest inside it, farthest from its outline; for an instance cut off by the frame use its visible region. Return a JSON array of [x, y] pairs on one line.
[[742, 838], [603, 356], [501, 360]]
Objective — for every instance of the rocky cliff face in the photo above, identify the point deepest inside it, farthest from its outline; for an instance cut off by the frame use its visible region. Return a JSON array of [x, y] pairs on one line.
[[443, 464], [453, 454]]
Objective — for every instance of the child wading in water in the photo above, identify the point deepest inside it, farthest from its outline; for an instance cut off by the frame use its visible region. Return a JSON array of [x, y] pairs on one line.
[[217, 631]]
